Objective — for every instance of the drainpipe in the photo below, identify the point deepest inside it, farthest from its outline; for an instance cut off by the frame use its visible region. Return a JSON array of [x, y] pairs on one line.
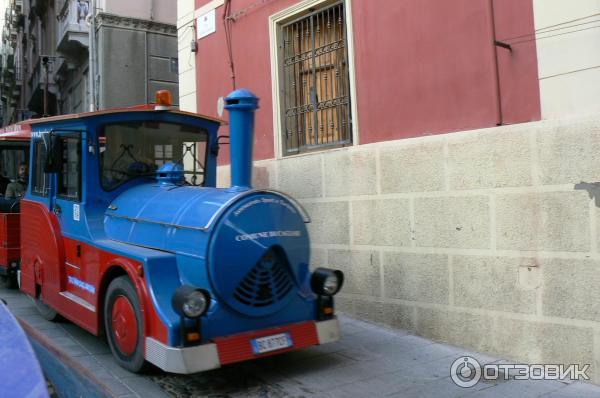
[[241, 105], [93, 72]]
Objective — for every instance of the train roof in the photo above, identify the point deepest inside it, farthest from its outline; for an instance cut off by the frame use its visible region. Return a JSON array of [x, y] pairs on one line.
[[140, 108], [16, 132]]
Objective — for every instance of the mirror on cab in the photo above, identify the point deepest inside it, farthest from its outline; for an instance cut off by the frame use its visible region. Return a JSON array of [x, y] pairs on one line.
[[53, 153]]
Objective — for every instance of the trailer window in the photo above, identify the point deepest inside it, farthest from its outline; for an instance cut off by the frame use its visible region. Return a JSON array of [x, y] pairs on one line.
[[138, 149], [10, 159]]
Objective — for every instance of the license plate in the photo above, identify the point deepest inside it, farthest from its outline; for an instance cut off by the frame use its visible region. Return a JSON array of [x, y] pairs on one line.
[[271, 343]]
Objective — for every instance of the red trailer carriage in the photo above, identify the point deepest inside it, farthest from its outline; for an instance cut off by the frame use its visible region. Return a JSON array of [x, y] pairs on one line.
[[14, 150]]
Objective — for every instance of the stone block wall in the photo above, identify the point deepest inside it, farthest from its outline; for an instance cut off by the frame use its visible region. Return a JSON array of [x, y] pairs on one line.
[[480, 239]]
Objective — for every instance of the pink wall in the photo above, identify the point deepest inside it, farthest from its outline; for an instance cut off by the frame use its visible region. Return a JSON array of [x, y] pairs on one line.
[[251, 50], [422, 66], [519, 84]]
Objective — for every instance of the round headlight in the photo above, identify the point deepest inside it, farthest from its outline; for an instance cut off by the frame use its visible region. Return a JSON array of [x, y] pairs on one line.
[[190, 301], [195, 305], [325, 281], [330, 286]]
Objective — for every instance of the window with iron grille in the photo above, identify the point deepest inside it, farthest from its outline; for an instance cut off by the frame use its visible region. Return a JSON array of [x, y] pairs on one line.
[[314, 81]]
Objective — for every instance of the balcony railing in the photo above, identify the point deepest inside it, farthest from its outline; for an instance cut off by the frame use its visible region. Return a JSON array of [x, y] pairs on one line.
[[72, 25]]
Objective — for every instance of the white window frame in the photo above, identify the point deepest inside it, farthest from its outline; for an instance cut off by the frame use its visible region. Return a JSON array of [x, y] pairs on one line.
[[280, 18]]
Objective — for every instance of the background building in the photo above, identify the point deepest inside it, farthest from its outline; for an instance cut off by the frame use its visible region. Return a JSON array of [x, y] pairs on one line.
[[46, 55], [446, 151]]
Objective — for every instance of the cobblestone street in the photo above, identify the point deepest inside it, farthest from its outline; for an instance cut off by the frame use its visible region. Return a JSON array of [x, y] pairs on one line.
[[370, 361]]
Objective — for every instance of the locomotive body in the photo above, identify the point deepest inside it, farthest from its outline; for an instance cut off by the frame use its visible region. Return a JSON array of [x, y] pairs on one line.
[[124, 233]]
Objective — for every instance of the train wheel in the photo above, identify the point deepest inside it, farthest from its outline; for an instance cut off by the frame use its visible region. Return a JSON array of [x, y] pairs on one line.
[[10, 281], [123, 325], [45, 310]]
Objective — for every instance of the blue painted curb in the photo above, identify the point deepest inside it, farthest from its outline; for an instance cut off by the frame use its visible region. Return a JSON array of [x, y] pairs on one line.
[[69, 378]]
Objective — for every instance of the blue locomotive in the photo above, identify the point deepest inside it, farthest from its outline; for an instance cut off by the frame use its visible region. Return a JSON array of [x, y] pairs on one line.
[[124, 233]]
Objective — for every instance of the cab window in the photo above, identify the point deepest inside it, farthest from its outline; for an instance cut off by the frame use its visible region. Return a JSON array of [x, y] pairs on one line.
[[69, 179], [138, 149], [40, 182]]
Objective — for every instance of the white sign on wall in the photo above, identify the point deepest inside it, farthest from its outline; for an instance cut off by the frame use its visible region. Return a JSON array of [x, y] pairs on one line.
[[206, 24]]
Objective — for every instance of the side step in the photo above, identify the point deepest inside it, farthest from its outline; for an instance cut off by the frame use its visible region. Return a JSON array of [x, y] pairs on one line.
[[78, 300]]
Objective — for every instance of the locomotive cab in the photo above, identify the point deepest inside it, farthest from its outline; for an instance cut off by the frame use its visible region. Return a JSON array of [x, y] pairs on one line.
[[124, 232]]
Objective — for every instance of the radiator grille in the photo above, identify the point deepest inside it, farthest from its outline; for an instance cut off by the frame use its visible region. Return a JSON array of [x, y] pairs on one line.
[[267, 283]]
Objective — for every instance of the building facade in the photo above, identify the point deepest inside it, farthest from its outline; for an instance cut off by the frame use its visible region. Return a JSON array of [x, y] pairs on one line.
[[446, 151], [46, 69]]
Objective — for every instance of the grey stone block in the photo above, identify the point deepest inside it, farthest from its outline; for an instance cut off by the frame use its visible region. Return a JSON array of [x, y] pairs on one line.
[[537, 342], [552, 221], [344, 304], [329, 222], [350, 173], [399, 316], [413, 168], [492, 159], [361, 270], [568, 151], [301, 176], [368, 310], [123, 75], [491, 283], [416, 277], [383, 222], [160, 69], [162, 45], [263, 175], [456, 327], [318, 258], [571, 289], [460, 222], [223, 176]]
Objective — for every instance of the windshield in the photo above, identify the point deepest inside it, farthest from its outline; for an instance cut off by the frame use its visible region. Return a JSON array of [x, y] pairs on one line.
[[136, 149]]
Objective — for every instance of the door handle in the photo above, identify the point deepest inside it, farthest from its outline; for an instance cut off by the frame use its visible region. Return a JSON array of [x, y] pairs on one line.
[[56, 210]]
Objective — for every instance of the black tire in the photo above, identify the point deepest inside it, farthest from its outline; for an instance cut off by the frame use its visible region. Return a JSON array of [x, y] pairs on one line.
[[47, 312], [10, 281], [122, 287]]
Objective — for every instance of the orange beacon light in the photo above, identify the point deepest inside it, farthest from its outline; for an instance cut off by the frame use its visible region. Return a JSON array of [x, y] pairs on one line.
[[164, 100]]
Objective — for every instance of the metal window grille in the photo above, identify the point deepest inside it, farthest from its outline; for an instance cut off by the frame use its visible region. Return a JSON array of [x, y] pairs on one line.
[[315, 83]]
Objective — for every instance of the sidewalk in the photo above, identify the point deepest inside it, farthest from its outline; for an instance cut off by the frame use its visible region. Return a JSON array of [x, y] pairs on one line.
[[370, 361]]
